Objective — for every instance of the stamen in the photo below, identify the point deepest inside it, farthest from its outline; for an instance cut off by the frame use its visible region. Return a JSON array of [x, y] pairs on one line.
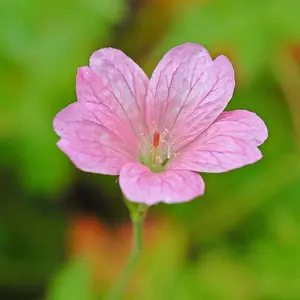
[[168, 133], [168, 149]]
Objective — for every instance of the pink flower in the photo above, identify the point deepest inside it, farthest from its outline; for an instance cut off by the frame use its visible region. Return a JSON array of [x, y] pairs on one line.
[[156, 134]]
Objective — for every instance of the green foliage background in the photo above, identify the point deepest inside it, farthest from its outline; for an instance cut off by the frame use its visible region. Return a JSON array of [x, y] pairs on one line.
[[241, 240]]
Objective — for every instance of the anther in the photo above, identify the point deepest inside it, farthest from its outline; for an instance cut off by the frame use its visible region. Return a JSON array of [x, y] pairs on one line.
[[176, 154], [158, 159]]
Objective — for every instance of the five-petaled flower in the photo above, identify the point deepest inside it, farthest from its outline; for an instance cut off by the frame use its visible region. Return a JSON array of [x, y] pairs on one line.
[[156, 134]]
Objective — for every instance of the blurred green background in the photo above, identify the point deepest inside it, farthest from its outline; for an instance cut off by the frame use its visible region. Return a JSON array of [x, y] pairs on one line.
[[65, 234]]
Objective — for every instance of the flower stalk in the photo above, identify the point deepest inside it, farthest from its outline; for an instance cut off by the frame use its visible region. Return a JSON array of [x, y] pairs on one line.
[[137, 214]]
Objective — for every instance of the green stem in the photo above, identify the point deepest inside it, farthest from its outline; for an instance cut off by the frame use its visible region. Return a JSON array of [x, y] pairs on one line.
[[137, 217]]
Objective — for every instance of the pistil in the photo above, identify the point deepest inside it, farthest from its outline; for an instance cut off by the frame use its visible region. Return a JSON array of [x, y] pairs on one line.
[[155, 145]]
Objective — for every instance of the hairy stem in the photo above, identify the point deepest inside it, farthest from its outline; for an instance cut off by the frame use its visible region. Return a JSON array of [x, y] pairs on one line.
[[137, 217]]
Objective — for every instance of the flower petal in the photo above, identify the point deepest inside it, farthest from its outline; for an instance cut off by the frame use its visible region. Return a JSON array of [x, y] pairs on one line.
[[178, 79], [90, 141], [116, 81], [210, 107], [139, 184], [188, 91], [229, 143]]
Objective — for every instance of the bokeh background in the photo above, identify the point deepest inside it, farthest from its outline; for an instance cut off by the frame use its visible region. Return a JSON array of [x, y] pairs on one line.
[[65, 234]]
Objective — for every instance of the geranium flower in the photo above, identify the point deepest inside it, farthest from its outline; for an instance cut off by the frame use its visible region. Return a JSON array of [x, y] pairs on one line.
[[156, 134]]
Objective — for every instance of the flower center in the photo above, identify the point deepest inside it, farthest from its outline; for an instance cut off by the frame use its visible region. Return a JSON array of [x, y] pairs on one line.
[[156, 153]]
